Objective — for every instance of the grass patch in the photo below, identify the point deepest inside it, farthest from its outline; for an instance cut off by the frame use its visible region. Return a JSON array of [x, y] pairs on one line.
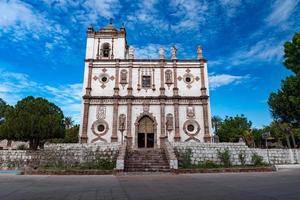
[[97, 164]]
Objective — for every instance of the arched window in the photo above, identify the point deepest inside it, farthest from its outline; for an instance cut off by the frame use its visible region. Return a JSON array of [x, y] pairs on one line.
[[105, 50]]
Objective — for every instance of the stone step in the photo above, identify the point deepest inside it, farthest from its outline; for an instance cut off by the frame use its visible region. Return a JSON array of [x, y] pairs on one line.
[[146, 170], [146, 160]]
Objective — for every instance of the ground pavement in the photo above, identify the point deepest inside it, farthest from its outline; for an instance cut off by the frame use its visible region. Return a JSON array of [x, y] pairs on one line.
[[284, 184]]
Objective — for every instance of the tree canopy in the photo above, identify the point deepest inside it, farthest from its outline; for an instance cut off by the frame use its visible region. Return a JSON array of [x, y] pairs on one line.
[[34, 120], [232, 128], [285, 103]]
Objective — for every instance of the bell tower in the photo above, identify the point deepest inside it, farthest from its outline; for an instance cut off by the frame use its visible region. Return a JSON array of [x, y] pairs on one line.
[[106, 43]]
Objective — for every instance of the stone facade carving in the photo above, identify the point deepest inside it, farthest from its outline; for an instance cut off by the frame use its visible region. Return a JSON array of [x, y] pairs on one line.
[[99, 129], [199, 53], [161, 53], [103, 78], [122, 122], [101, 112], [131, 53], [190, 112], [123, 77], [164, 86], [191, 128], [168, 77], [173, 53], [169, 123]]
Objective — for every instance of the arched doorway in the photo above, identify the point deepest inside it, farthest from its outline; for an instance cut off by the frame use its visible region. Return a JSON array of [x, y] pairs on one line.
[[145, 132]]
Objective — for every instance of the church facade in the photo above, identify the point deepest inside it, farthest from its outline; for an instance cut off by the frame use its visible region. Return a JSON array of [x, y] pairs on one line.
[[142, 101]]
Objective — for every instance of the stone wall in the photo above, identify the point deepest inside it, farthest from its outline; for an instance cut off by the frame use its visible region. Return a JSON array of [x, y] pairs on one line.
[[201, 152], [57, 154]]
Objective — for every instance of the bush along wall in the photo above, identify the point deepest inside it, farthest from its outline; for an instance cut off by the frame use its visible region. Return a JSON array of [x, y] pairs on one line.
[[208, 155]]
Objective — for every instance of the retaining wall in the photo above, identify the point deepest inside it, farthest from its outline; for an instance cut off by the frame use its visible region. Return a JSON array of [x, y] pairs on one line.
[[57, 154], [201, 152]]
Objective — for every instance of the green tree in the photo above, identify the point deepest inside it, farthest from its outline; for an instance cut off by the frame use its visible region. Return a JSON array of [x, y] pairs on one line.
[[285, 103], [232, 128], [68, 122], [3, 107], [34, 120], [72, 135]]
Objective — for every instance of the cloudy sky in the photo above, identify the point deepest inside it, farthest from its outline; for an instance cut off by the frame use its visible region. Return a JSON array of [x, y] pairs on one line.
[[42, 46]]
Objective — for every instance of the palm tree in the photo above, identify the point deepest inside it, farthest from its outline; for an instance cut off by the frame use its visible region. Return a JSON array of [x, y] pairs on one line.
[[216, 122], [68, 122]]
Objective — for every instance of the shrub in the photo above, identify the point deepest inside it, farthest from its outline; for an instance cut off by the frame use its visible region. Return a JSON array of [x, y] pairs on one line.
[[257, 160], [225, 157], [99, 163], [186, 159], [22, 147], [207, 164], [242, 158]]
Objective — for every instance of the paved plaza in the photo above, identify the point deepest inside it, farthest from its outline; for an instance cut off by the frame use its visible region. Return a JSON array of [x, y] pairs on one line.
[[284, 184]]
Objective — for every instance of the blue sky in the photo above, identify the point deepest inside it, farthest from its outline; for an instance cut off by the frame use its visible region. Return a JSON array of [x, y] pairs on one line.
[[42, 46]]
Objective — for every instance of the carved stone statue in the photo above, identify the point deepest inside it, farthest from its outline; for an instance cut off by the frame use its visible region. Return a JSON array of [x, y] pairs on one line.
[[173, 52], [161, 53], [131, 53], [190, 112], [169, 122], [122, 122], [199, 53]]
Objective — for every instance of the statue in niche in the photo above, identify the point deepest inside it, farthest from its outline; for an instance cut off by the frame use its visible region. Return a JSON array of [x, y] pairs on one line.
[[190, 112], [101, 112], [169, 122], [173, 52], [168, 75], [122, 122]]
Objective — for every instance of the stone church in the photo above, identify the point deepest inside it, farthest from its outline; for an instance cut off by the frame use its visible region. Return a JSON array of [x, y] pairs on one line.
[[142, 101]]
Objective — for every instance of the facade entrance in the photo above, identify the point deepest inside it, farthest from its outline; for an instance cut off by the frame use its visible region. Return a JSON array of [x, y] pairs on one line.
[[145, 133]]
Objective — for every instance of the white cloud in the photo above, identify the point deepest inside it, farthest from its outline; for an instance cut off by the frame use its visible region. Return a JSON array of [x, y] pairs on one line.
[[191, 14], [216, 81], [231, 7], [149, 51], [263, 51], [102, 8], [20, 21], [281, 11], [15, 86]]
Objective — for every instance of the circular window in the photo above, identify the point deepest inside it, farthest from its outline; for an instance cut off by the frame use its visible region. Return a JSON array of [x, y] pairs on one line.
[[101, 128], [188, 79], [190, 128], [104, 79]]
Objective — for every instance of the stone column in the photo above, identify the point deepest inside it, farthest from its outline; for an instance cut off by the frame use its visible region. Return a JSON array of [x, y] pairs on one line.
[[176, 115], [207, 137], [176, 102], [117, 75], [129, 105], [86, 105], [86, 108], [162, 121], [114, 136], [129, 118]]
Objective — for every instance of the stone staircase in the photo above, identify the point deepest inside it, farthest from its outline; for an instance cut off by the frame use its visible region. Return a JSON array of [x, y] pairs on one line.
[[146, 160]]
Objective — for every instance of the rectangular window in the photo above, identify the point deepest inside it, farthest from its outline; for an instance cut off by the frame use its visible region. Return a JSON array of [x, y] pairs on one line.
[[146, 81]]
